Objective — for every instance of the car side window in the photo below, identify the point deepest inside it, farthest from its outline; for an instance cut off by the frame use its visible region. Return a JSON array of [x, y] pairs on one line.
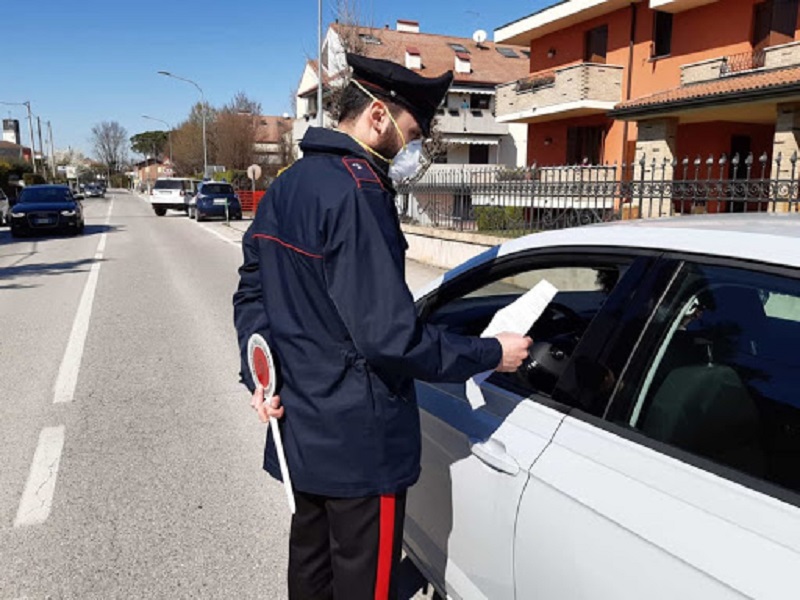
[[582, 290], [723, 379]]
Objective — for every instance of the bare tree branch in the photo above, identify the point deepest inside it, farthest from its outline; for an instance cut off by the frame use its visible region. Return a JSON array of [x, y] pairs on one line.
[[110, 142]]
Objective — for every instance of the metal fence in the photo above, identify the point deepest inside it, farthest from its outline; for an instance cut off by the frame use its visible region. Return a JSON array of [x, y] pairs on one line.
[[505, 201]]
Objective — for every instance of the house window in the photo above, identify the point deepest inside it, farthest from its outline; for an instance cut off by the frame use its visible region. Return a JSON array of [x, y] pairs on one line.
[[596, 45], [584, 145], [479, 101], [662, 34], [478, 154], [774, 22]]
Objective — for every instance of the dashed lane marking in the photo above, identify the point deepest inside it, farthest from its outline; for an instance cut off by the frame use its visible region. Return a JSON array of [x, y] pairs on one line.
[[37, 498], [67, 379]]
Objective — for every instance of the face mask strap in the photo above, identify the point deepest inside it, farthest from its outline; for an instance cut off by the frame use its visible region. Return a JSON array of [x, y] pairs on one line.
[[388, 112]]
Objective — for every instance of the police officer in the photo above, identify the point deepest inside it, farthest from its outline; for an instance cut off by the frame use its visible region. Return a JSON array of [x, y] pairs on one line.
[[323, 282]]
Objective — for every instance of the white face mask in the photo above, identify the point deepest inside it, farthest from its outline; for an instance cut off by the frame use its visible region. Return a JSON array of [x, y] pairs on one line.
[[408, 162]]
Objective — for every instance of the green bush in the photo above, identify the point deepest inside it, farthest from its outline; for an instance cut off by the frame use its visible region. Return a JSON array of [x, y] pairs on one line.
[[498, 218]]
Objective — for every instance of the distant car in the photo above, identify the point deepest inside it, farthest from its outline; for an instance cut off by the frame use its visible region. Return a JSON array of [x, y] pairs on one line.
[[210, 201], [171, 193], [4, 208], [94, 190], [46, 208], [649, 447]]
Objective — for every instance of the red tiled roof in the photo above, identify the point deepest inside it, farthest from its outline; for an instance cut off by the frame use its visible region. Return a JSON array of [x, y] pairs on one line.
[[730, 87], [413, 50], [489, 67], [269, 129]]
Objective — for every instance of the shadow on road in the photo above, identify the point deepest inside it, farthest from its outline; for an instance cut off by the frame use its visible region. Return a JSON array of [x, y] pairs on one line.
[[37, 269]]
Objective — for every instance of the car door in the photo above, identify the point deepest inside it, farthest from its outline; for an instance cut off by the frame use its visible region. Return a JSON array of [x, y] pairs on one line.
[[461, 514], [686, 485]]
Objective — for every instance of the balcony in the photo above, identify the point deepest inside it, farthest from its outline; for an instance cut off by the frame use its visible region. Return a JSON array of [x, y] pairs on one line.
[[774, 57], [576, 90], [462, 121]]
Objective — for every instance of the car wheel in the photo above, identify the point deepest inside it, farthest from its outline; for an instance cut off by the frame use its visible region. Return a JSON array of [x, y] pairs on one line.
[[16, 234], [160, 212], [199, 217]]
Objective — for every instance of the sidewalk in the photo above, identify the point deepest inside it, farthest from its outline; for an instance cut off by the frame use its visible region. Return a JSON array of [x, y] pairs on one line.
[[417, 273]]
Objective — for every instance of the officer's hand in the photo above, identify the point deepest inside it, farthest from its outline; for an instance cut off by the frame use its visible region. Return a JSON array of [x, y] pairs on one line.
[[515, 350], [266, 411]]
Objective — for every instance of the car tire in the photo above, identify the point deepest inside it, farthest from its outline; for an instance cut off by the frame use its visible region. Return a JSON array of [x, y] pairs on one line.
[[16, 234], [199, 217], [160, 212]]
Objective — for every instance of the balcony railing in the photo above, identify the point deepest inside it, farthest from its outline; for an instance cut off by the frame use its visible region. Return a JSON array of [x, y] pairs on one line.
[[773, 57], [585, 87], [744, 61], [472, 121]]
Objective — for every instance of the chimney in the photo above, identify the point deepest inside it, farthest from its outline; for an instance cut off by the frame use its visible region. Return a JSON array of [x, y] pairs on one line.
[[11, 131], [463, 63], [407, 26], [413, 58]]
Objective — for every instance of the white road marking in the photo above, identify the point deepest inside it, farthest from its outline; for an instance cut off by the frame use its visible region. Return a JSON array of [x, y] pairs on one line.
[[221, 236], [67, 379], [37, 499]]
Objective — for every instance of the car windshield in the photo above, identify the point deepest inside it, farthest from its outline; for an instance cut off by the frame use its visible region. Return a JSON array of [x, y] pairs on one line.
[[217, 188], [45, 195], [169, 184]]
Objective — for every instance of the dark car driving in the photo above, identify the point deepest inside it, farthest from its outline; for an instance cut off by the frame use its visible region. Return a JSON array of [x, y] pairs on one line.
[[210, 201], [94, 190], [44, 209]]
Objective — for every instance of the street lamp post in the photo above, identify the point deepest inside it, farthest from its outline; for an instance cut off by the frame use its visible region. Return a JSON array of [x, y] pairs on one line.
[[27, 104], [169, 133], [202, 108]]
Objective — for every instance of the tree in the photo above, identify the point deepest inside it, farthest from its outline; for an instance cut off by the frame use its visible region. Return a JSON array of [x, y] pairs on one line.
[[235, 131], [187, 148], [151, 143], [110, 142]]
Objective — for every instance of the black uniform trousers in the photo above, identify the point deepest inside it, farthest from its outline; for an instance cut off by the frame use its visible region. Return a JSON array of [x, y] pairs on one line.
[[345, 548]]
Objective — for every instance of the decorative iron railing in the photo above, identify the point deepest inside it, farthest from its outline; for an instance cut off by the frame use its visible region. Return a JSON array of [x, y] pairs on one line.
[[745, 61], [510, 202]]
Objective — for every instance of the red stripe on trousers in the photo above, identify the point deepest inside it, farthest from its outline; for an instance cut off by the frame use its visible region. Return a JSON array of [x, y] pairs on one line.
[[385, 547]]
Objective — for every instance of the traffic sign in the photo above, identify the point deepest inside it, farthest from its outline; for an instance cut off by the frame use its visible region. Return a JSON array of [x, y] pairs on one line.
[[262, 369], [254, 172]]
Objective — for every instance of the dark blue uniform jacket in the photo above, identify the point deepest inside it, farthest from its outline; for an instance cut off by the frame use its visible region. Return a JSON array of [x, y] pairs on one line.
[[323, 282]]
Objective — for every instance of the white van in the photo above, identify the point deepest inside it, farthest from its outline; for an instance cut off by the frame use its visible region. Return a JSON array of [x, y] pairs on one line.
[[171, 192]]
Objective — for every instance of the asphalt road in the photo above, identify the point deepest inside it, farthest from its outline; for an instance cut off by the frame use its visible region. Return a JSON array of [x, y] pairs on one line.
[[131, 459]]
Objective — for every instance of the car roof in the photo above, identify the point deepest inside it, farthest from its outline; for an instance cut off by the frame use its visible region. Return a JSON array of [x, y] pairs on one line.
[[771, 238]]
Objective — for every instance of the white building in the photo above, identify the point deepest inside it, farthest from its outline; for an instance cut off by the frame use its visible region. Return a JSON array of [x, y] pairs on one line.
[[466, 120]]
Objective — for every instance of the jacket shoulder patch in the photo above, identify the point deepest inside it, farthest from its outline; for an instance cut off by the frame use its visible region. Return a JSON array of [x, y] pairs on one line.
[[361, 171]]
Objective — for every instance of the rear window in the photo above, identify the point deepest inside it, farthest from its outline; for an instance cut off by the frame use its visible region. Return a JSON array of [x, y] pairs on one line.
[[45, 195], [169, 184], [217, 188]]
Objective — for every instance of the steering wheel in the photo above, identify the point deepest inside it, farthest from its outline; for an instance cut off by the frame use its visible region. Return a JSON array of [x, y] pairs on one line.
[[575, 320]]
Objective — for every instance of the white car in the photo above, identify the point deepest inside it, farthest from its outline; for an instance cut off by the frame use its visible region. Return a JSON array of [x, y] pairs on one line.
[[651, 446], [171, 193]]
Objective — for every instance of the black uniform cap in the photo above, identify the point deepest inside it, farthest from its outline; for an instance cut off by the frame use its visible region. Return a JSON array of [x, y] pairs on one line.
[[419, 95]]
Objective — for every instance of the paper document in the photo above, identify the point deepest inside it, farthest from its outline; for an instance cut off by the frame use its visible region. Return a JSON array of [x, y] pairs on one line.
[[517, 317]]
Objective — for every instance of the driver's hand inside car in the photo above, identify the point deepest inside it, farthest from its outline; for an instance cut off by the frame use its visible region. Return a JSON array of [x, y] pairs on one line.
[[515, 350]]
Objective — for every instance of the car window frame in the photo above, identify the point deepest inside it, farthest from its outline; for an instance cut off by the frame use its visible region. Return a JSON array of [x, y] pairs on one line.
[[503, 266], [628, 387]]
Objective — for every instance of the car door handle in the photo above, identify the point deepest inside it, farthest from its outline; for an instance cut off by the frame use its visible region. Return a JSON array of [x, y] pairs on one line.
[[494, 454]]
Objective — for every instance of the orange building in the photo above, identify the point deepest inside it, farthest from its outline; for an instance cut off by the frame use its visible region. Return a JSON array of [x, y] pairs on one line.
[[616, 80]]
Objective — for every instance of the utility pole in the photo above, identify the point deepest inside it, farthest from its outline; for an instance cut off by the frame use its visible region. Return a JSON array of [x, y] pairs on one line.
[[33, 142], [320, 116], [52, 149], [203, 110], [41, 145]]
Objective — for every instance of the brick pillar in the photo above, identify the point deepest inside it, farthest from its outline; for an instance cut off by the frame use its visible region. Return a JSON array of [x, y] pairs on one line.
[[785, 143], [656, 141]]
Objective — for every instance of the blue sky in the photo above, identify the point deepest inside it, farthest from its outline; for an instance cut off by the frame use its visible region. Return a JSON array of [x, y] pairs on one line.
[[80, 62]]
